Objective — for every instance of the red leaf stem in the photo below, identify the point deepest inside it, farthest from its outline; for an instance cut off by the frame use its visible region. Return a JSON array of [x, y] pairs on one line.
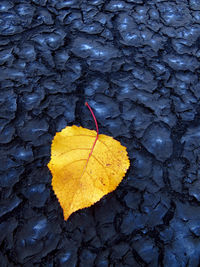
[[97, 128]]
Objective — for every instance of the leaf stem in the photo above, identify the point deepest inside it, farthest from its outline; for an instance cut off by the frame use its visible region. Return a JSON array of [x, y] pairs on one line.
[[95, 120], [97, 128]]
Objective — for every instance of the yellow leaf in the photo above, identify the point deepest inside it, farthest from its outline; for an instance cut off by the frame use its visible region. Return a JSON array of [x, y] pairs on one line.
[[80, 179]]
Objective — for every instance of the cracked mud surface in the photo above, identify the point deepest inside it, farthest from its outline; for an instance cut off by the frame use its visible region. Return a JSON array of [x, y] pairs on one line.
[[136, 62]]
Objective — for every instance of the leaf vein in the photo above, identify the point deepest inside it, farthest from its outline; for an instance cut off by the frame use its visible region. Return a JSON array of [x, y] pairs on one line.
[[100, 162]]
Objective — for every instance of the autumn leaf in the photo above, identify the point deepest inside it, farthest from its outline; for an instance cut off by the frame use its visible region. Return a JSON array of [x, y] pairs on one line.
[[85, 166]]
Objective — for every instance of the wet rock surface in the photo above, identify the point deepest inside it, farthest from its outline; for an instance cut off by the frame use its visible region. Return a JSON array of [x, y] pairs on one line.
[[136, 62]]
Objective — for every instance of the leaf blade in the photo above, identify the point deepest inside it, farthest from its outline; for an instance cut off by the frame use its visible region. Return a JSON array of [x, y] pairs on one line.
[[75, 186]]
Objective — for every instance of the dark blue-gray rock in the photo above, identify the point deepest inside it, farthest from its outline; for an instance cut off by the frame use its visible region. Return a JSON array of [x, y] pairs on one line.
[[190, 140], [6, 133], [150, 202], [166, 235], [22, 153], [176, 174], [107, 34], [29, 238], [85, 48], [25, 11], [99, 56], [186, 248], [157, 174], [104, 107], [186, 78], [157, 215], [38, 175], [105, 213], [96, 2], [132, 199], [107, 232], [59, 105], [10, 177], [36, 237], [194, 190], [6, 162], [67, 3], [6, 229], [7, 57], [93, 28], [4, 260], [65, 86], [153, 13], [10, 23], [117, 5], [174, 15], [5, 6], [40, 2], [37, 195], [87, 257], [44, 16], [194, 228], [44, 151], [27, 52], [168, 31], [135, 1], [128, 29], [64, 258], [119, 251], [155, 41], [67, 18], [104, 19], [184, 101], [142, 164], [75, 70], [160, 106], [130, 260], [184, 62], [132, 221], [188, 35], [140, 15], [144, 80], [13, 74], [181, 49], [196, 16], [113, 64], [8, 104], [32, 100], [102, 259], [116, 127], [157, 140], [124, 84], [191, 150], [194, 4], [128, 113], [49, 41], [159, 68], [96, 85], [8, 205], [147, 250], [139, 117], [67, 253], [61, 58], [170, 259], [36, 69], [186, 106], [35, 130]]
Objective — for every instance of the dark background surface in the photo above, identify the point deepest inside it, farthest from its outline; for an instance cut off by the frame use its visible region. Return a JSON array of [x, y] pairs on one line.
[[137, 64]]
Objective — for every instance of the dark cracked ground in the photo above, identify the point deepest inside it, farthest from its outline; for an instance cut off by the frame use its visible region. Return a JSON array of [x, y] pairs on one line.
[[136, 62]]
